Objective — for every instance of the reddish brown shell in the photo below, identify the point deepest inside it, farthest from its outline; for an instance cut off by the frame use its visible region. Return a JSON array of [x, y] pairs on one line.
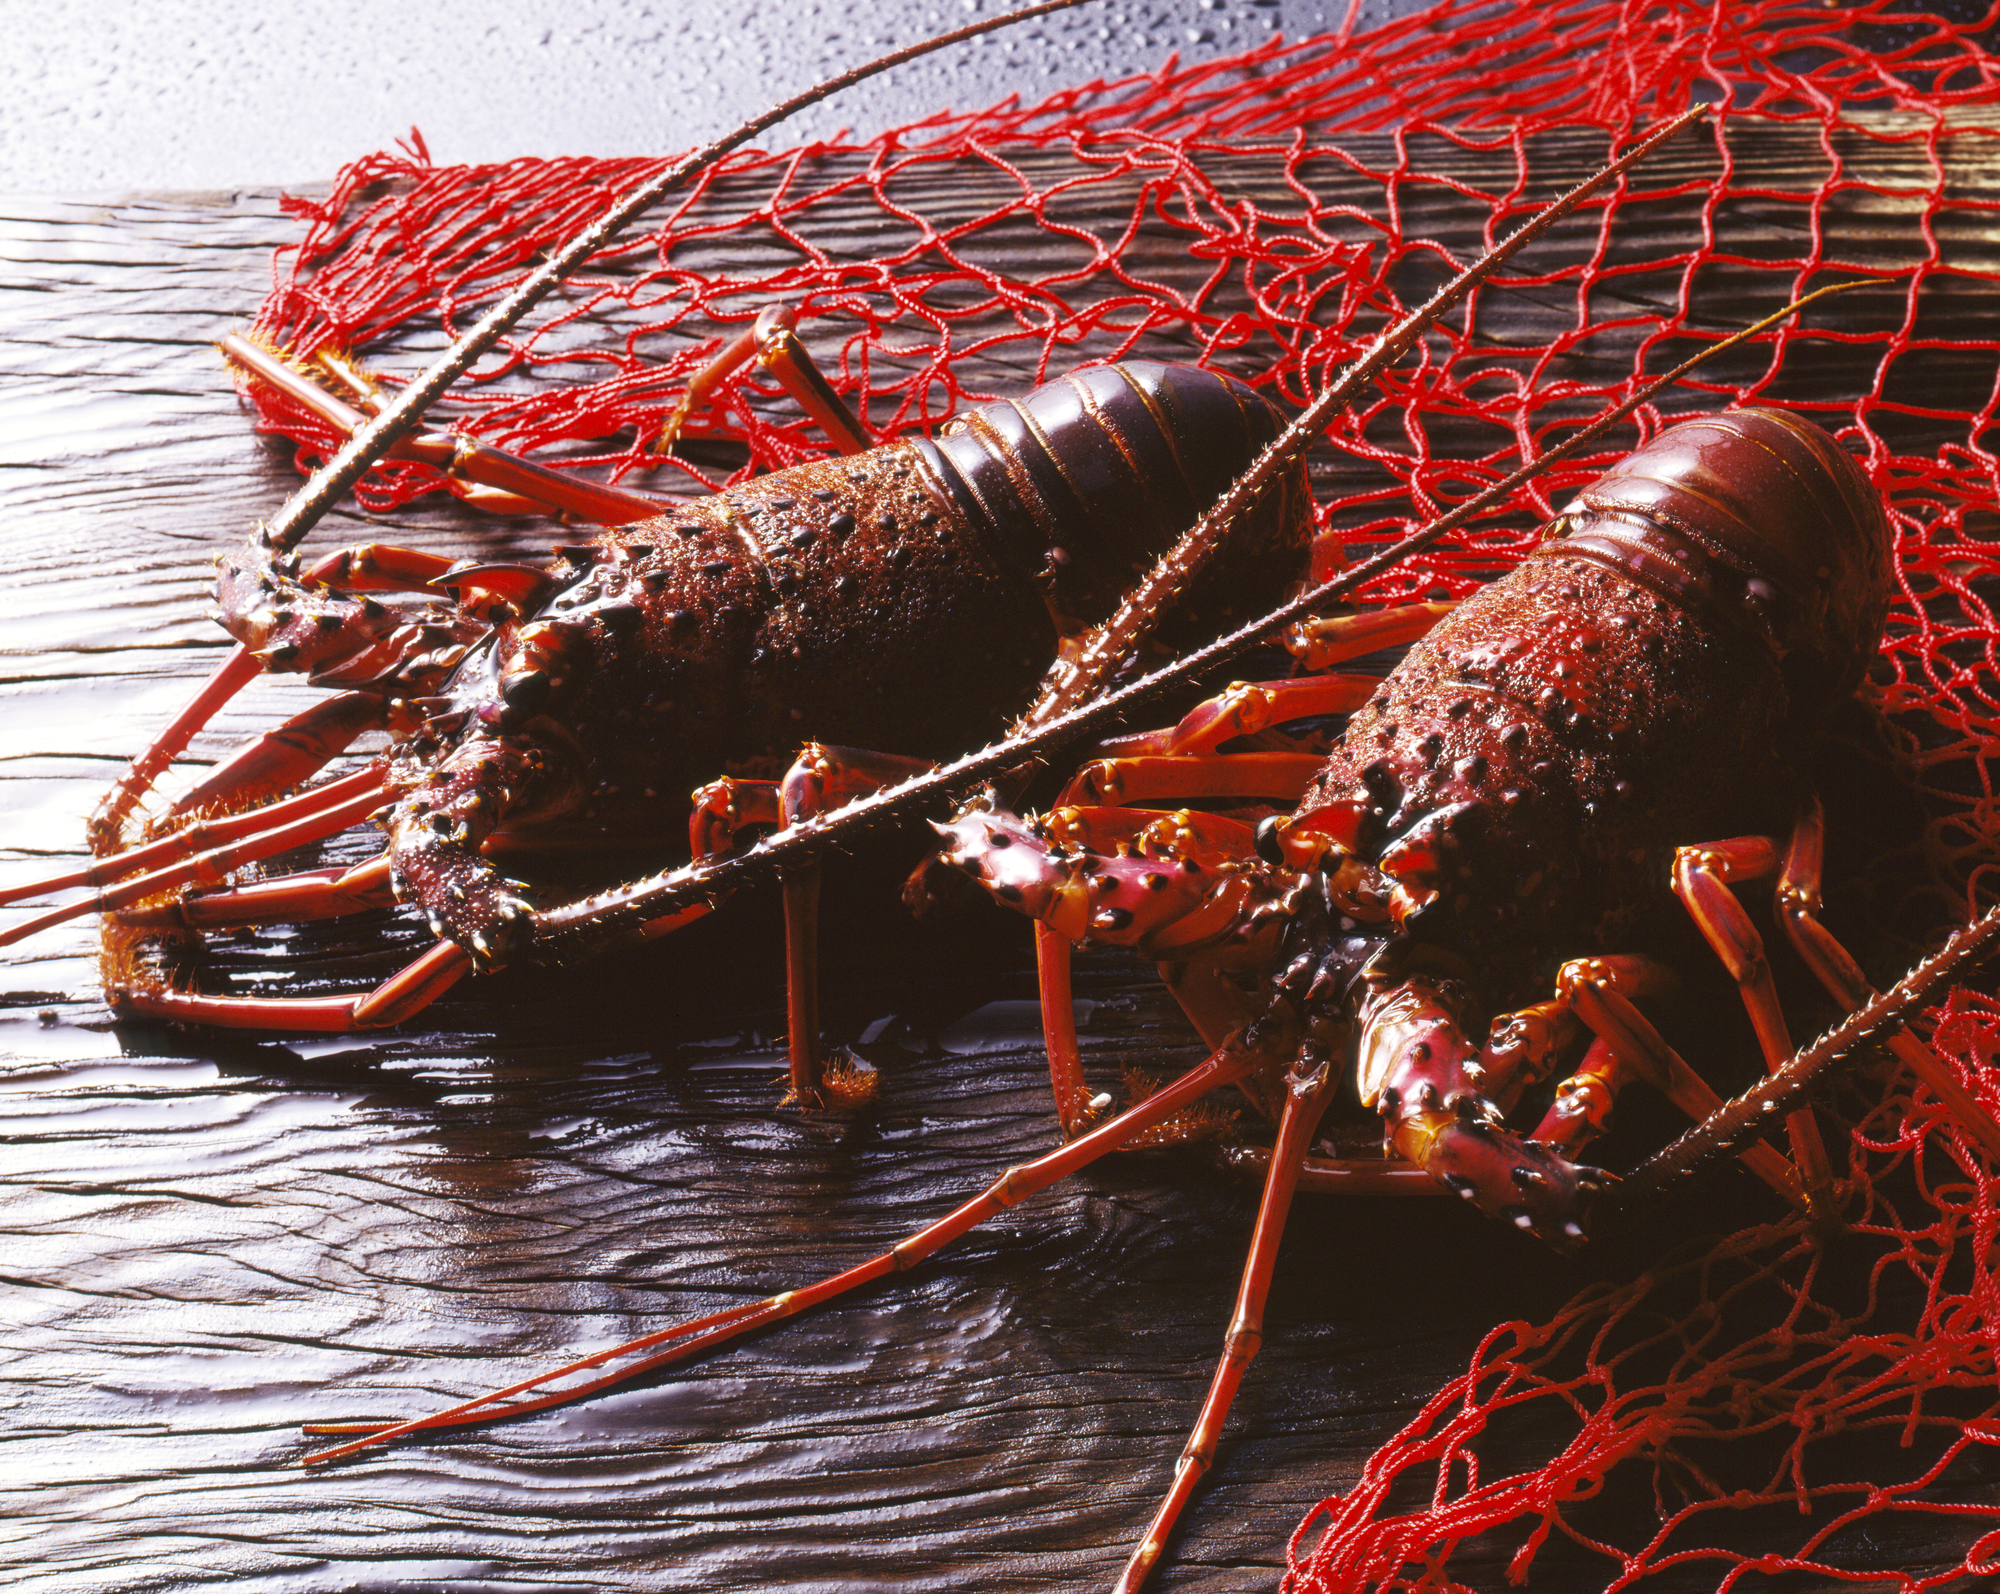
[[1781, 503]]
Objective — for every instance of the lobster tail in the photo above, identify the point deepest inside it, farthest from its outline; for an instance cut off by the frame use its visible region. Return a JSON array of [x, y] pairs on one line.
[[1084, 481], [1776, 502]]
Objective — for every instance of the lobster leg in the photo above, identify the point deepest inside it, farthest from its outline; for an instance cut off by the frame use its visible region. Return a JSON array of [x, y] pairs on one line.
[[328, 893], [486, 477], [1242, 1056], [724, 808], [1246, 708], [288, 755], [1798, 895], [1305, 1100], [201, 836], [772, 341], [821, 780], [107, 824], [1600, 991], [1118, 782], [285, 899], [247, 660], [1334, 639], [1141, 779], [213, 866], [1176, 765], [1582, 1108], [1701, 880], [415, 987], [1215, 1006]]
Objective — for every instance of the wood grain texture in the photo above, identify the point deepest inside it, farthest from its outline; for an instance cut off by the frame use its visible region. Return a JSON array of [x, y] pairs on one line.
[[209, 1239]]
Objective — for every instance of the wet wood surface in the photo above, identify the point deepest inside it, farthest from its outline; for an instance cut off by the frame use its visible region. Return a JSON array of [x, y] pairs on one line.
[[206, 1240]]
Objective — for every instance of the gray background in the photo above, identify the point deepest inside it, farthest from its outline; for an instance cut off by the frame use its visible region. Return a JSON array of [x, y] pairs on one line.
[[105, 97]]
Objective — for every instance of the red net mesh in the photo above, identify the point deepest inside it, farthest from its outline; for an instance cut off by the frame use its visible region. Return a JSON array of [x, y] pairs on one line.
[[1269, 213]]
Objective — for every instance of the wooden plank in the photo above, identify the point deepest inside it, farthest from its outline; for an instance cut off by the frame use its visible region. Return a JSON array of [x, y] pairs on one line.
[[210, 1239]]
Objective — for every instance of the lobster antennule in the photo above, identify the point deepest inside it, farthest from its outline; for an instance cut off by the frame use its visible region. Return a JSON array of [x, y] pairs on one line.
[[207, 867], [200, 837]]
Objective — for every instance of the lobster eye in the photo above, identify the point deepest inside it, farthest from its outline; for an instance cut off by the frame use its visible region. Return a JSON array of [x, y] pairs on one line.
[[1270, 843]]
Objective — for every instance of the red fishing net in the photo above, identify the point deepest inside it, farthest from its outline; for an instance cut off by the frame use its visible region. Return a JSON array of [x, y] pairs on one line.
[[1269, 213]]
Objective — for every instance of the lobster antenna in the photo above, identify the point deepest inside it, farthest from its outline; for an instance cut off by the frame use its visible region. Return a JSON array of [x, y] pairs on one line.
[[1071, 680], [1739, 1123], [303, 510], [611, 916]]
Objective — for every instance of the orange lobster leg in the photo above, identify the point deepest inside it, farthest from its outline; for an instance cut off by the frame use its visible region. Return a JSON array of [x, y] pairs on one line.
[[207, 868], [821, 780], [203, 835], [284, 757], [418, 985], [1582, 1108], [1143, 779], [641, 1355], [772, 341], [1701, 880], [235, 672], [1244, 709], [1123, 782], [1320, 643], [1344, 1175], [384, 567], [399, 569], [486, 477], [287, 899], [1076, 1102], [378, 567], [724, 808], [1798, 908], [1176, 765], [1305, 1101], [1596, 989]]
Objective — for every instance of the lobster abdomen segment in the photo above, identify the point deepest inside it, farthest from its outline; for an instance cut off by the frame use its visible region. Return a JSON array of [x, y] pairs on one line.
[[1083, 483]]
